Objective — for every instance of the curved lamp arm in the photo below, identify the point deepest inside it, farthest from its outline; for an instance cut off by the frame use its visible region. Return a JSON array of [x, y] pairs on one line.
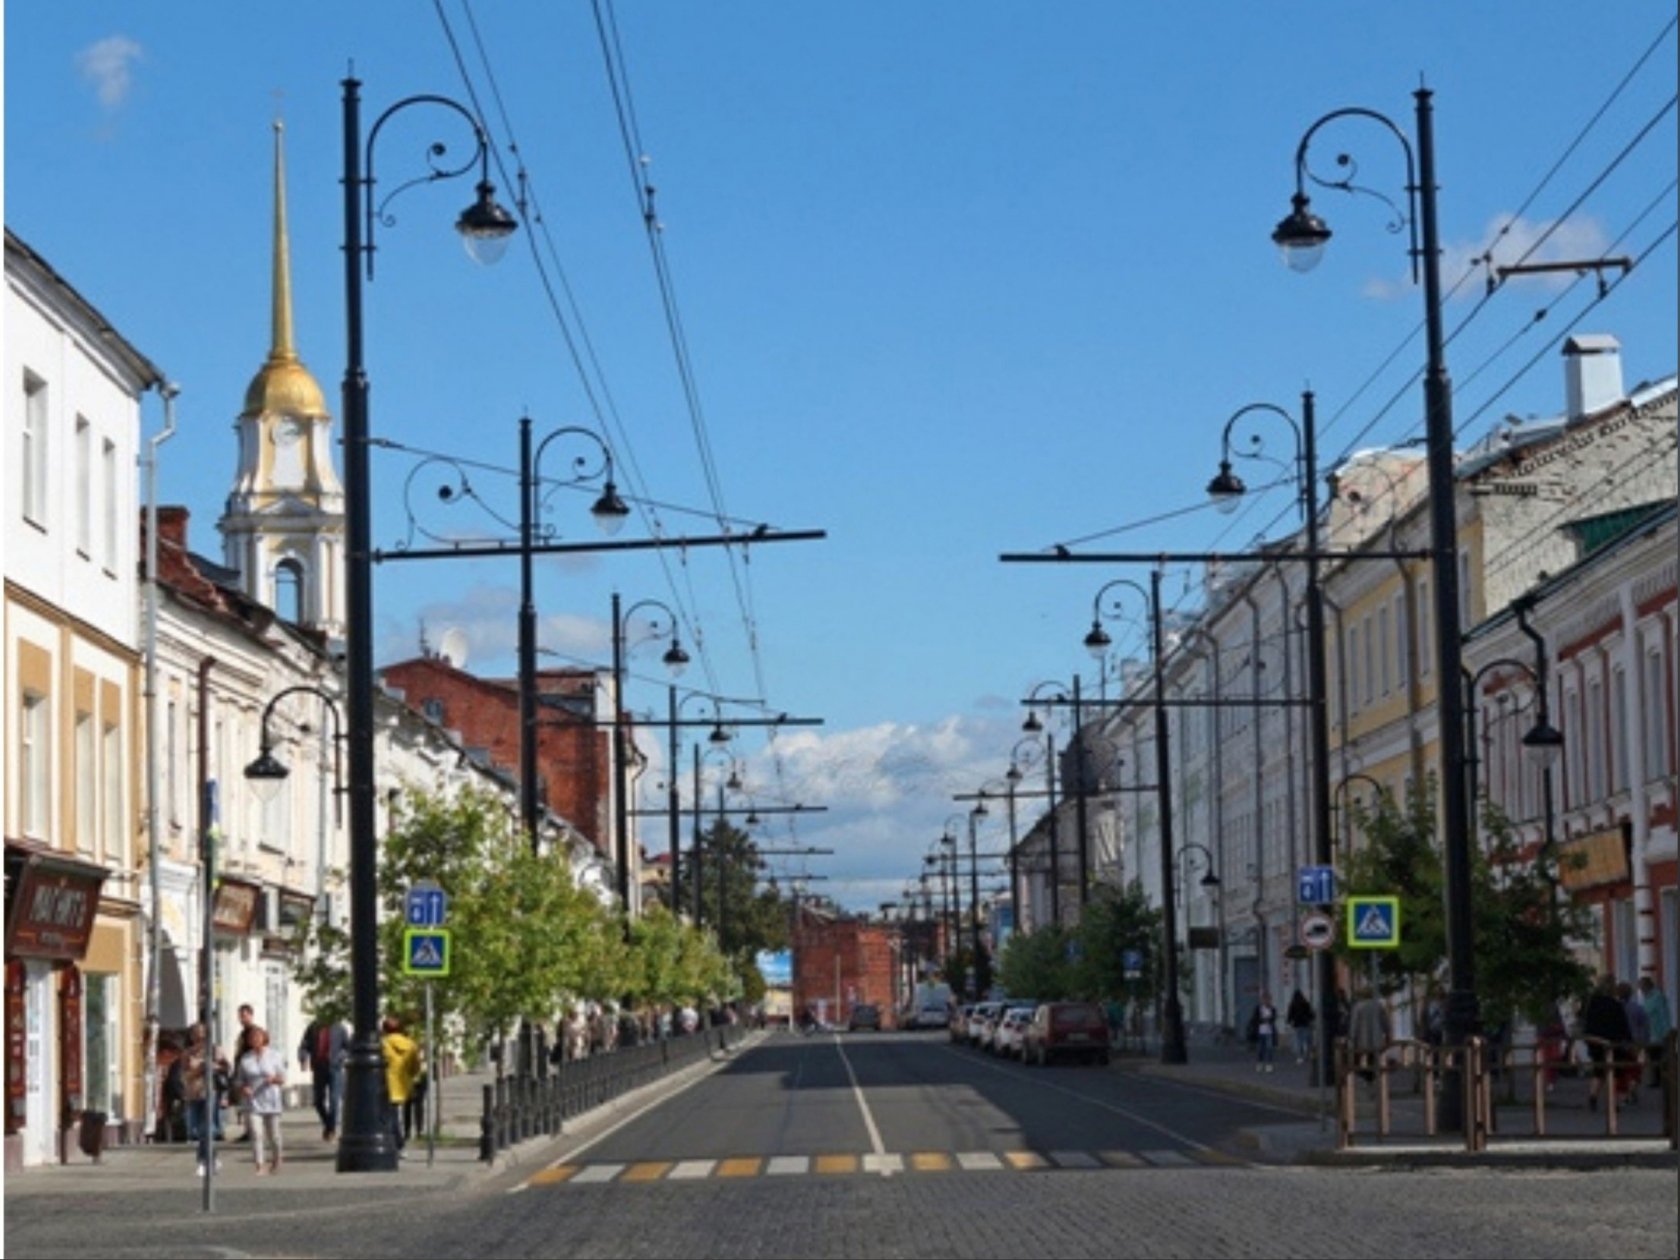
[[609, 510], [1302, 235], [1226, 489], [675, 658], [267, 772], [1098, 640], [484, 226]]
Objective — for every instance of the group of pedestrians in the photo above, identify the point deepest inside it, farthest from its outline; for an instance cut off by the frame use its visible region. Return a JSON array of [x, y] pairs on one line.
[[1622, 1029], [252, 1080]]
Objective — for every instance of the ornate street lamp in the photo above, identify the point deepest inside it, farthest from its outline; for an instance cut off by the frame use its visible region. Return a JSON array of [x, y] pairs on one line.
[[1227, 490], [365, 1144], [1302, 236], [268, 773]]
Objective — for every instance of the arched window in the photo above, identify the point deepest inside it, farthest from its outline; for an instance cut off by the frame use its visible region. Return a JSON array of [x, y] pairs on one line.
[[288, 590]]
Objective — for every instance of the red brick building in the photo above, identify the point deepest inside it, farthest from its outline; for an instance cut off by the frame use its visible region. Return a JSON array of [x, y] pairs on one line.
[[574, 752], [841, 962]]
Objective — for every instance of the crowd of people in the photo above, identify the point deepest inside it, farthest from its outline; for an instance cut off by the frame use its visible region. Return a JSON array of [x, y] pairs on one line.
[[1617, 1032]]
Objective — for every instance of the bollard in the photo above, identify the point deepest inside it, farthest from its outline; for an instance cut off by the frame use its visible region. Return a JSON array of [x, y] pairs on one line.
[[487, 1126]]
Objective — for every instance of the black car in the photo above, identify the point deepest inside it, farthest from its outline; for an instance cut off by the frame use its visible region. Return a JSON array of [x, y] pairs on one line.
[[864, 1016]]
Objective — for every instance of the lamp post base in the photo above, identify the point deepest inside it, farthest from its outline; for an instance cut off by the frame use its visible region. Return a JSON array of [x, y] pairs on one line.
[[366, 1143], [1172, 1035]]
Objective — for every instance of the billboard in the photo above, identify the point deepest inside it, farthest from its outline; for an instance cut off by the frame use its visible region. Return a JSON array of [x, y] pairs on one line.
[[776, 967]]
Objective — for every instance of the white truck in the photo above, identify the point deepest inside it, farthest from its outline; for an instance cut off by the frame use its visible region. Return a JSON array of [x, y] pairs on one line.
[[931, 1007]]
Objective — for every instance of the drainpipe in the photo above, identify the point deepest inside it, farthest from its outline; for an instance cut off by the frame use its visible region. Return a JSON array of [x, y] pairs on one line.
[[154, 979], [1258, 907]]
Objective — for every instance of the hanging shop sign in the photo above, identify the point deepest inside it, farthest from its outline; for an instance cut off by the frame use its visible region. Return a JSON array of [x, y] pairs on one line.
[[51, 905]]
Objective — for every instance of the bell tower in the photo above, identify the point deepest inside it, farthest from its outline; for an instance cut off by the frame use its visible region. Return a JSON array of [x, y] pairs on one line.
[[283, 528]]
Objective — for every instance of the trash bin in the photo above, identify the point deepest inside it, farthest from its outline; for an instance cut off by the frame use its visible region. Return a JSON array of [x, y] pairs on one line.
[[91, 1137]]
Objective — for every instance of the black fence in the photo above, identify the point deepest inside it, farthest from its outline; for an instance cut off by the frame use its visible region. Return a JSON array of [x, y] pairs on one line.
[[538, 1104]]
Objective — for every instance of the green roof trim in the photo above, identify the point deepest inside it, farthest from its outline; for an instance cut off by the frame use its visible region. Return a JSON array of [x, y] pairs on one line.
[[1596, 532]]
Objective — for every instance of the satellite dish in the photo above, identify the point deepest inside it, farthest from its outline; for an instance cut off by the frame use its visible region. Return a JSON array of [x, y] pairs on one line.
[[453, 647]]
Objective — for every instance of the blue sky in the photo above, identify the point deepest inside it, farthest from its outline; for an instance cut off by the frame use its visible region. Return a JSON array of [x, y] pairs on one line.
[[956, 278]]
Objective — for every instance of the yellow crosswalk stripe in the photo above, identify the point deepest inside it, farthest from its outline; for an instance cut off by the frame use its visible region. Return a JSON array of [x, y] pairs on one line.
[[554, 1176], [930, 1161], [746, 1167], [652, 1170], [836, 1164], [1023, 1160]]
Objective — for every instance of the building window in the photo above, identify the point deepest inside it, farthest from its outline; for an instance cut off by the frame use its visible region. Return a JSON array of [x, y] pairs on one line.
[[32, 464], [1466, 591], [84, 486], [112, 817], [288, 590], [34, 767], [1618, 730], [1593, 735], [1574, 753], [1353, 667], [172, 764], [103, 1064], [87, 775], [1402, 645], [1386, 645], [1368, 670], [108, 478], [1425, 627], [1656, 716]]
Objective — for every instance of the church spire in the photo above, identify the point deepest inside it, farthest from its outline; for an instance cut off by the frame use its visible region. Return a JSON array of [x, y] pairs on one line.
[[282, 349]]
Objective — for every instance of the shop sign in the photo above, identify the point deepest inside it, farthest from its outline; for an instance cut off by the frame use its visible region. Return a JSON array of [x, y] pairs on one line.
[[52, 908], [1592, 860], [235, 907]]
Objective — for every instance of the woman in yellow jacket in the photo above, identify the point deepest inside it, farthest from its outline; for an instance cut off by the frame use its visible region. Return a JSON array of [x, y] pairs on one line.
[[402, 1068]]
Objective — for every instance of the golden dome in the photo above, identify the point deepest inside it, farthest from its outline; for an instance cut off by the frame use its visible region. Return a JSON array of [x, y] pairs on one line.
[[285, 387]]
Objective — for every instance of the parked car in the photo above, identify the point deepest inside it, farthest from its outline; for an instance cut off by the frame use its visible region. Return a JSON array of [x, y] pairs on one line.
[[980, 1016], [1006, 1038], [864, 1015], [1064, 1030], [959, 1021], [933, 1013]]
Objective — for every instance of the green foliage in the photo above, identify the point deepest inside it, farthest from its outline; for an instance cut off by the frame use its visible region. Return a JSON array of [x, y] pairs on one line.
[[1522, 928], [1115, 921], [526, 939], [1036, 964]]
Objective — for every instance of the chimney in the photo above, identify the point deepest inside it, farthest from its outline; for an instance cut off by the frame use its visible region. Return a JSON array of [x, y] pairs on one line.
[[1592, 374], [172, 526]]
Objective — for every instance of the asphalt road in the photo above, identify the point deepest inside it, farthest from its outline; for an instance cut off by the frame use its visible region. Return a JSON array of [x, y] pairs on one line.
[[903, 1145]]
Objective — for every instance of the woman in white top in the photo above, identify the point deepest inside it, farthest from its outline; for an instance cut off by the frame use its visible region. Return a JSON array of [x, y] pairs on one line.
[[261, 1073]]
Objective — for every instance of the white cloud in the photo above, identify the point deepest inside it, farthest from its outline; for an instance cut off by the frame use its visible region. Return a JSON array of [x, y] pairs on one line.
[[1513, 238], [107, 65]]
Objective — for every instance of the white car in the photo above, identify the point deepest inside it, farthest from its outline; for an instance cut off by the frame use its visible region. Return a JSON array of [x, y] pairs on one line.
[[980, 1017], [1007, 1038]]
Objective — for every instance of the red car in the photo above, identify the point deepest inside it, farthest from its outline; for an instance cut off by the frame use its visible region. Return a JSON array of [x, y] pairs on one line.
[[1064, 1030]]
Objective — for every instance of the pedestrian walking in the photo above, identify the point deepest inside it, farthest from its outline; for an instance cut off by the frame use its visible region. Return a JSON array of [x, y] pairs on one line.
[[323, 1050], [402, 1069], [261, 1073], [1262, 1033], [1639, 1030], [1604, 1025], [201, 1065], [1299, 1017], [1659, 1020], [247, 1021], [1368, 1033]]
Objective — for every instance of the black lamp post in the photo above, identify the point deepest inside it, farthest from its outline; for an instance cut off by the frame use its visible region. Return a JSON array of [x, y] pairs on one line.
[[609, 512], [1173, 1048], [268, 772], [974, 817], [1542, 743], [1013, 777], [1377, 791], [1302, 237], [676, 660], [1227, 489], [1033, 726], [365, 1144]]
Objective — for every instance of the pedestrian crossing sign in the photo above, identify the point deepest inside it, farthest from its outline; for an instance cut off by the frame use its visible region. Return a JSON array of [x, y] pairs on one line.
[[1373, 922], [426, 951]]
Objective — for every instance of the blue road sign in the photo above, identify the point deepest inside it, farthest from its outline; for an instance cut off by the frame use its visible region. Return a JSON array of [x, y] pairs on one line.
[[1373, 922], [1315, 885], [426, 951], [425, 905]]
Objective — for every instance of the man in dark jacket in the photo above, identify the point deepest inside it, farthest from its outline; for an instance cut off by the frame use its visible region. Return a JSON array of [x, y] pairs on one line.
[[325, 1044], [1604, 1020]]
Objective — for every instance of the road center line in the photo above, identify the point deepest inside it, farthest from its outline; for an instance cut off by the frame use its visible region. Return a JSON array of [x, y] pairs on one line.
[[863, 1106], [1098, 1102]]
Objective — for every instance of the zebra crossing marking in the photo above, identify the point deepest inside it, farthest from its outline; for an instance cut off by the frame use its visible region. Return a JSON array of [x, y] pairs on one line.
[[849, 1164]]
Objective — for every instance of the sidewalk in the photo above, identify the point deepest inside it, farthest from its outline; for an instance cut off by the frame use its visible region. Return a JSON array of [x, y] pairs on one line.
[[310, 1163], [1575, 1136]]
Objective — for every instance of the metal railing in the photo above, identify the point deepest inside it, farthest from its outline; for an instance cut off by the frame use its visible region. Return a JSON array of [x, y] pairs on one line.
[[1478, 1066], [538, 1104]]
